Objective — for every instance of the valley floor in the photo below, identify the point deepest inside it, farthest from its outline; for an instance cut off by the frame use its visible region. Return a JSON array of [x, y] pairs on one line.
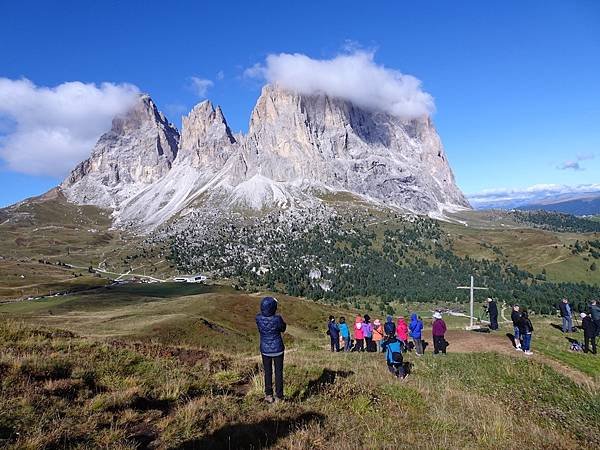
[[154, 367]]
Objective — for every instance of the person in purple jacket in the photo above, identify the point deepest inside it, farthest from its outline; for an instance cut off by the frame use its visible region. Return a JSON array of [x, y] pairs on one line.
[[368, 330], [438, 331]]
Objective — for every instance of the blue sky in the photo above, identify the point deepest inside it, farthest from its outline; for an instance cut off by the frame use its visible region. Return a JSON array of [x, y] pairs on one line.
[[516, 84]]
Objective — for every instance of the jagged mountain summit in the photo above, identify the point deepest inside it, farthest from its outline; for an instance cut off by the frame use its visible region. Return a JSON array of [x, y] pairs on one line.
[[138, 150], [297, 147]]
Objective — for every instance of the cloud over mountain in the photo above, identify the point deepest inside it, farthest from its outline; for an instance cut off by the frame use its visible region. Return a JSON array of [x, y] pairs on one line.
[[354, 77], [50, 129]]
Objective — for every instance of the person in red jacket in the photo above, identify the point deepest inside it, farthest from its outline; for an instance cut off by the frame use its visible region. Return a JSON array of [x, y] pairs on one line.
[[359, 334], [438, 331], [402, 332]]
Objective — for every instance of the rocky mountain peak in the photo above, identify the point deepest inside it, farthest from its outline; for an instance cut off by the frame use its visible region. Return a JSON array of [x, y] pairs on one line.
[[206, 138], [296, 145], [138, 150]]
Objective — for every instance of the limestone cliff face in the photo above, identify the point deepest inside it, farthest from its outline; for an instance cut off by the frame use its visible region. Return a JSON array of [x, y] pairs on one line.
[[321, 140], [139, 150], [296, 145], [206, 140]]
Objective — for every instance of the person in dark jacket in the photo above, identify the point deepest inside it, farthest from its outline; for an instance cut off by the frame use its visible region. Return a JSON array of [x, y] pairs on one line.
[[389, 326], [589, 333], [492, 308], [526, 331], [595, 312], [567, 315], [515, 315], [438, 330], [334, 334], [270, 327]]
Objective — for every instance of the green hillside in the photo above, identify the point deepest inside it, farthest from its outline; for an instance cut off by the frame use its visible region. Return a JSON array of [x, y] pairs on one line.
[[173, 366]]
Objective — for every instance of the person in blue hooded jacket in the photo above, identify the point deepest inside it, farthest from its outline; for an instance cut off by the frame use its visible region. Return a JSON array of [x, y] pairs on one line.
[[270, 328], [415, 329]]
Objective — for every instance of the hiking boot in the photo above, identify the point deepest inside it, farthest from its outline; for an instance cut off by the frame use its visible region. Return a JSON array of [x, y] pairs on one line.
[[269, 399], [528, 352], [279, 399], [519, 349]]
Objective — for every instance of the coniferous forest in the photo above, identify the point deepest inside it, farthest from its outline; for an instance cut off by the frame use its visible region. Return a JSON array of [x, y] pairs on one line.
[[347, 258]]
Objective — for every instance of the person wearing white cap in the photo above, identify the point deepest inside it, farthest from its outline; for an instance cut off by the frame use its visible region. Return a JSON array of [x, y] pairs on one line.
[[492, 308], [438, 331], [589, 333]]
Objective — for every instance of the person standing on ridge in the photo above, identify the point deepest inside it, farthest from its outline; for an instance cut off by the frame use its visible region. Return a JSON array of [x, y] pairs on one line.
[[402, 332], [515, 315], [334, 334], [492, 308], [378, 333], [595, 312], [438, 330], [345, 332], [567, 316], [526, 331], [589, 333], [270, 328], [359, 334], [416, 328], [389, 325], [368, 332]]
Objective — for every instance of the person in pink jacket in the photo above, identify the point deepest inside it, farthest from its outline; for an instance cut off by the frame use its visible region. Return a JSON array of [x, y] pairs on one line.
[[402, 331], [359, 334]]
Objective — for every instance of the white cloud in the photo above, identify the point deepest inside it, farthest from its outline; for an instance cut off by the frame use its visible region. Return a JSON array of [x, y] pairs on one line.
[[573, 165], [510, 197], [54, 128], [220, 75], [354, 77], [201, 86]]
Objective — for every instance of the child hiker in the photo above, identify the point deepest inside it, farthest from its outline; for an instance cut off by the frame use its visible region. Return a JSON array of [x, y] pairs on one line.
[[359, 335], [416, 327], [393, 355], [438, 330], [378, 333], [402, 332], [525, 330], [334, 334], [368, 332], [345, 333], [270, 327]]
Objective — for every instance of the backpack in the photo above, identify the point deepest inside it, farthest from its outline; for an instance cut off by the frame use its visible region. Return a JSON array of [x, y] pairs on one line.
[[393, 352], [576, 347]]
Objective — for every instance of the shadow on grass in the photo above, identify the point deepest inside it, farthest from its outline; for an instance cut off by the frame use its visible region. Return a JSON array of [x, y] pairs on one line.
[[574, 329], [317, 385], [257, 435]]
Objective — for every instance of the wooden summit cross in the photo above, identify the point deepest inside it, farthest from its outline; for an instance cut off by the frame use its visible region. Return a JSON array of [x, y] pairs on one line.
[[471, 288]]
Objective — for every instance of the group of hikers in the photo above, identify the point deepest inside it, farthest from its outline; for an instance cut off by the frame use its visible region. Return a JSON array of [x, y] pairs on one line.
[[392, 338], [590, 323], [371, 336]]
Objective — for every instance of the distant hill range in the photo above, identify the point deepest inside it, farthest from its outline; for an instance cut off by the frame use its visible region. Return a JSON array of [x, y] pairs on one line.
[[578, 204], [581, 206]]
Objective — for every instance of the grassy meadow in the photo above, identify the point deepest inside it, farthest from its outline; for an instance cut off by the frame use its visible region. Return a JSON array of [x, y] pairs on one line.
[[176, 366]]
